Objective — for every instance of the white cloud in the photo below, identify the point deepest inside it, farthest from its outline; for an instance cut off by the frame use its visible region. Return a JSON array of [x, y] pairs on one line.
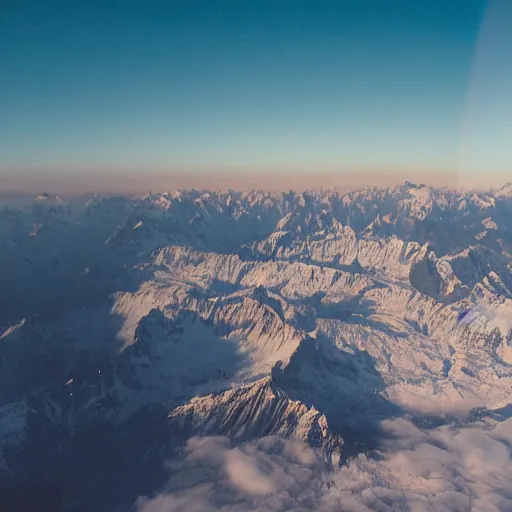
[[271, 475], [245, 475], [444, 469]]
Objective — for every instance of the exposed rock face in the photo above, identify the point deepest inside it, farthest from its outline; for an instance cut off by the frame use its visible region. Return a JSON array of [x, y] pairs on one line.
[[256, 410]]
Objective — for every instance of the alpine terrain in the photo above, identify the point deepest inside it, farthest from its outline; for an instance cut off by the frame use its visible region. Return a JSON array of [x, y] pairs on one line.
[[327, 350]]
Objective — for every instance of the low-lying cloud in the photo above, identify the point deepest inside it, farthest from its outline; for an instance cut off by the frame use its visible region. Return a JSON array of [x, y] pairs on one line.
[[270, 474], [444, 469]]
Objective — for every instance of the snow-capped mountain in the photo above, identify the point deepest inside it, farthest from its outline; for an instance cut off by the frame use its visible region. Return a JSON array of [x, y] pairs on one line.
[[134, 324]]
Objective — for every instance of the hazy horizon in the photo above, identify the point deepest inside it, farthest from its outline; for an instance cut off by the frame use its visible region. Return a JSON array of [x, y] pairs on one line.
[[141, 183]]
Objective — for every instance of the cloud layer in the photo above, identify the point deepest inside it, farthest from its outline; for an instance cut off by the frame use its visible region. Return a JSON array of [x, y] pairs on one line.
[[444, 469]]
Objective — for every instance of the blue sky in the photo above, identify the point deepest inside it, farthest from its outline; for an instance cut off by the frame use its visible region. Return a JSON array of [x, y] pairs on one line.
[[243, 86]]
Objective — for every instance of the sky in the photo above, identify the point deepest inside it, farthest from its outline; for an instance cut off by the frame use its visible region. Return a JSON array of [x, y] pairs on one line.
[[246, 87]]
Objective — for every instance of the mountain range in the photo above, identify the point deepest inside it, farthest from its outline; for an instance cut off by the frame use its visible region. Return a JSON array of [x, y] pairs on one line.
[[130, 327]]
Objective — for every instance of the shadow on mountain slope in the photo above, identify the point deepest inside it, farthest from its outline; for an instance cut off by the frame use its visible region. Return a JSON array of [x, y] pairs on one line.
[[344, 386], [76, 454], [101, 467], [79, 272]]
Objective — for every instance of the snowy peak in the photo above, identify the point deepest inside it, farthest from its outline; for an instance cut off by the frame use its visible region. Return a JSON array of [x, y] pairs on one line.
[[505, 190], [256, 410]]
